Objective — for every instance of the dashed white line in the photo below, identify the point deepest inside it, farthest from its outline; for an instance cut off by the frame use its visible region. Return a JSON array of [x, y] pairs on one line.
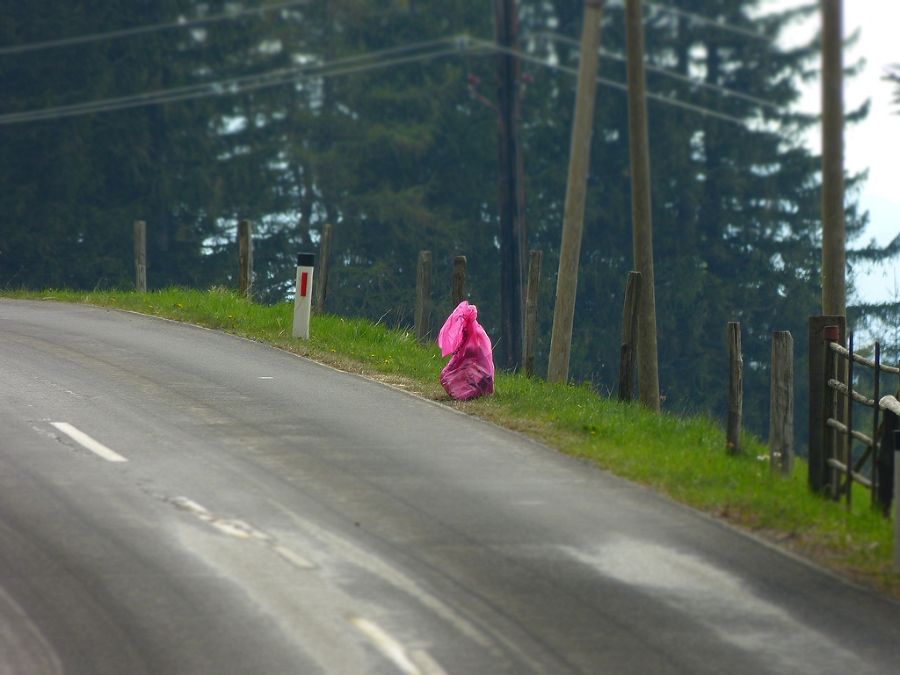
[[240, 529], [386, 644], [293, 558], [417, 662], [87, 442]]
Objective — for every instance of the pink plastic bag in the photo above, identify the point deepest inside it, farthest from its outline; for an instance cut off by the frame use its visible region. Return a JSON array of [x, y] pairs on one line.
[[470, 373]]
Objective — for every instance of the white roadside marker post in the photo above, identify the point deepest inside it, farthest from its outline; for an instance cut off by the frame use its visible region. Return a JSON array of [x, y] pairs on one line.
[[303, 298]]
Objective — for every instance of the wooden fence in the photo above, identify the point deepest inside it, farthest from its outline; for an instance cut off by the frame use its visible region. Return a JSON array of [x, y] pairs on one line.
[[873, 468]]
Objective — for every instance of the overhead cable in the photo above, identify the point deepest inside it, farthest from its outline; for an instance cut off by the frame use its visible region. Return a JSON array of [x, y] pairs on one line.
[[733, 93], [148, 28], [717, 23], [347, 66], [616, 85], [247, 83]]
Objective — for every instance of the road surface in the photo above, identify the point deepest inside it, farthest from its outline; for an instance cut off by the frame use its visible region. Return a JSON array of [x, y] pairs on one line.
[[177, 500]]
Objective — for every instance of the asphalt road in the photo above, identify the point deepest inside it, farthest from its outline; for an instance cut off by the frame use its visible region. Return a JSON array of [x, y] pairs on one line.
[[176, 500]]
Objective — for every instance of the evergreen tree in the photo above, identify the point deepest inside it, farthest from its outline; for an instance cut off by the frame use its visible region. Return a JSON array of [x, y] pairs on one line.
[[398, 151], [735, 199]]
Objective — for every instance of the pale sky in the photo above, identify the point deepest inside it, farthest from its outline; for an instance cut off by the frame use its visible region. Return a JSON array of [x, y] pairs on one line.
[[875, 142]]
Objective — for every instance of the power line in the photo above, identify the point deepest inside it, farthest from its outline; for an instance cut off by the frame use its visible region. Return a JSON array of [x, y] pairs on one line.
[[346, 66], [149, 28], [616, 85], [671, 73], [717, 23], [239, 85]]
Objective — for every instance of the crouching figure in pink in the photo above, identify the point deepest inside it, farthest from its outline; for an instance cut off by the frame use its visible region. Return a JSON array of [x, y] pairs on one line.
[[470, 373]]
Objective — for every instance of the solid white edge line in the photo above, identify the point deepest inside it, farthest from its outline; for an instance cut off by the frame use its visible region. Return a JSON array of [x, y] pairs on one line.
[[87, 442]]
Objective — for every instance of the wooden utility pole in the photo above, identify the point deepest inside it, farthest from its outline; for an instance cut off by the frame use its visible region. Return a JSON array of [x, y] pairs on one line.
[[576, 188], [642, 224], [513, 234], [245, 257], [140, 256], [834, 299]]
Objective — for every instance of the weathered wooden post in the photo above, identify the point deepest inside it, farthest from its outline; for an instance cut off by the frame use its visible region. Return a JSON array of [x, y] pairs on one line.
[[576, 193], [423, 296], [897, 500], [818, 457], [458, 281], [781, 403], [876, 396], [324, 257], [735, 389], [847, 446], [245, 256], [885, 460], [535, 258], [628, 343], [829, 409], [140, 256]]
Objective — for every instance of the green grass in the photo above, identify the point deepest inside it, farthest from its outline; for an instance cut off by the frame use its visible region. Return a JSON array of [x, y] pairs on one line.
[[682, 457]]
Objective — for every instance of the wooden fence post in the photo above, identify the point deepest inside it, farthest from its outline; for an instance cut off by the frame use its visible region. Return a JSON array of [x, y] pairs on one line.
[[245, 256], [897, 501], [140, 256], [781, 403], [322, 276], [628, 343], [829, 409], [847, 448], [735, 389], [531, 302], [458, 281], [423, 296], [886, 459], [818, 457]]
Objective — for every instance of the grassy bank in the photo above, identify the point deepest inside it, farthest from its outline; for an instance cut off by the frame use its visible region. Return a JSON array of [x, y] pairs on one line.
[[681, 457]]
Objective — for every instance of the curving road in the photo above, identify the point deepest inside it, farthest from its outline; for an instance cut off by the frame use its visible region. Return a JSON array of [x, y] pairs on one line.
[[176, 500]]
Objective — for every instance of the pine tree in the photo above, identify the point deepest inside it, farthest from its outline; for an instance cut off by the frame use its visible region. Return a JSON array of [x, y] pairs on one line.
[[735, 198]]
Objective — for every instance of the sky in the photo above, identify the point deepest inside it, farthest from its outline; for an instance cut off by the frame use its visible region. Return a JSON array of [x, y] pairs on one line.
[[873, 144]]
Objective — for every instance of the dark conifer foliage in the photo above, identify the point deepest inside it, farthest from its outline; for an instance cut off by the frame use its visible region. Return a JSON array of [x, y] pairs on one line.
[[399, 153]]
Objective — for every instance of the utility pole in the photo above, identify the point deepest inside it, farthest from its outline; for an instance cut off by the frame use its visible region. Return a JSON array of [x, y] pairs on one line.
[[834, 299], [642, 223], [513, 234], [576, 188]]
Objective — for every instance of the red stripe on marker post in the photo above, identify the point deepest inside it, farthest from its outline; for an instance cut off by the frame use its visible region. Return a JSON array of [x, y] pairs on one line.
[[304, 282]]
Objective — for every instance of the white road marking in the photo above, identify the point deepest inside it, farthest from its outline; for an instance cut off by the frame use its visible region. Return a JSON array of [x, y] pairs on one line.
[[295, 559], [265, 377], [87, 442], [395, 577], [386, 644], [240, 529], [190, 505]]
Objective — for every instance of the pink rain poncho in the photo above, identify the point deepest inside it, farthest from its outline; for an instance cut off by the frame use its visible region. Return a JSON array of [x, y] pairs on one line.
[[470, 373]]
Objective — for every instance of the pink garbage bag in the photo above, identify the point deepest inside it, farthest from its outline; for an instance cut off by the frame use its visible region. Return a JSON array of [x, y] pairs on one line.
[[470, 373]]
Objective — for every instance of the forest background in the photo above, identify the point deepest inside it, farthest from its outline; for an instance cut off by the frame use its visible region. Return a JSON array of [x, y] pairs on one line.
[[380, 117]]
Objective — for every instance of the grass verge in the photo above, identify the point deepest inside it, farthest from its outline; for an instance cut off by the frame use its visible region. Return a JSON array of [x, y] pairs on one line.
[[682, 457]]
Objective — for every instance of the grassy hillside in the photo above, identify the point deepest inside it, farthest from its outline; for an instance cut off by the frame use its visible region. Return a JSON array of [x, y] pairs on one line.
[[683, 458]]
